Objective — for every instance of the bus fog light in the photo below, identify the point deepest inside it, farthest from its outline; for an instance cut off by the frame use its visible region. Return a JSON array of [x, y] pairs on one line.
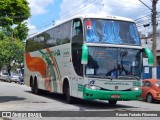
[[135, 88], [93, 87]]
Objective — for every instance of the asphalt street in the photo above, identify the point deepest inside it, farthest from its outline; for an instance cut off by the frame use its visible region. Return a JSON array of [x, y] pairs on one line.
[[15, 97]]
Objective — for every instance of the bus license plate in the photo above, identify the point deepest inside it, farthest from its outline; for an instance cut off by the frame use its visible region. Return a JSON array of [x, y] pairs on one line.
[[115, 96]]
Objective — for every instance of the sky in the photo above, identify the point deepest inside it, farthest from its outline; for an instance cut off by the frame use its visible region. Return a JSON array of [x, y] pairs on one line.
[[45, 12]]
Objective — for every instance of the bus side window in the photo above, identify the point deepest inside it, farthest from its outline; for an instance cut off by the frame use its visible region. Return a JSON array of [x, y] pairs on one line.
[[59, 35], [53, 35], [66, 32], [77, 42]]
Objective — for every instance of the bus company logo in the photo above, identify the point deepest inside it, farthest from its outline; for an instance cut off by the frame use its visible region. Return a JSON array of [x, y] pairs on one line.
[[56, 52], [6, 114], [66, 53], [48, 54]]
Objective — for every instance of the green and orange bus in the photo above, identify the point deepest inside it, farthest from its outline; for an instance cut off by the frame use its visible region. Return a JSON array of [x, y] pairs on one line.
[[89, 57]]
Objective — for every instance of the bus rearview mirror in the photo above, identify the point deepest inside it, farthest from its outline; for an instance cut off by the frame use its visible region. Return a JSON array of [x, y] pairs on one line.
[[84, 58], [149, 55]]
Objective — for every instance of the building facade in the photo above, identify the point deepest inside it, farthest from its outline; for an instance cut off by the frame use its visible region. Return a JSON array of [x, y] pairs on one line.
[[147, 43]]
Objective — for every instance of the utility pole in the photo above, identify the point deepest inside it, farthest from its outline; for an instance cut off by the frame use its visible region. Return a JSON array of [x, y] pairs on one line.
[[154, 46], [154, 30]]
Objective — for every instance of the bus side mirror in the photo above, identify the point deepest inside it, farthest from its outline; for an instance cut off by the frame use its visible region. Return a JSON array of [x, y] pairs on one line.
[[149, 55], [84, 58]]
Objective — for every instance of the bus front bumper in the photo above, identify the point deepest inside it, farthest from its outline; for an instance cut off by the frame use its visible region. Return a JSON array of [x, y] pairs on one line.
[[90, 94]]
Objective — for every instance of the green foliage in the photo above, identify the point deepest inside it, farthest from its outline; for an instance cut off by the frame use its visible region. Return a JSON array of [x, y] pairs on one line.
[[21, 31], [7, 31], [11, 50], [1, 35], [13, 12], [13, 30]]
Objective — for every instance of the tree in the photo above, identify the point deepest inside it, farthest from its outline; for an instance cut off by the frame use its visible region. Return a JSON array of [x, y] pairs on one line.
[[13, 30], [1, 35], [13, 12], [10, 51], [20, 31]]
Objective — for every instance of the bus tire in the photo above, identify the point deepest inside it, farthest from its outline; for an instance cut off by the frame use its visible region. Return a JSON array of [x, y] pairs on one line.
[[112, 102], [37, 91], [35, 87], [69, 98], [32, 87]]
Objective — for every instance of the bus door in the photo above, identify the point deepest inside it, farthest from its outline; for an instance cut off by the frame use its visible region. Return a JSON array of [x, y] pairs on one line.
[[77, 42]]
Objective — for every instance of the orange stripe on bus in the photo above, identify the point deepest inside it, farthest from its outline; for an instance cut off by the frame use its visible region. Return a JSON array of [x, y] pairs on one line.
[[35, 64]]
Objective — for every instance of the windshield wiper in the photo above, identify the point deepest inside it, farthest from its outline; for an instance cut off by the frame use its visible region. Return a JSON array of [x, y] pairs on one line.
[[138, 78], [130, 76], [108, 77], [96, 76]]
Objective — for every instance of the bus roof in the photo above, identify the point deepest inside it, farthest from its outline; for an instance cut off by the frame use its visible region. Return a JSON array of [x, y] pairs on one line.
[[83, 16]]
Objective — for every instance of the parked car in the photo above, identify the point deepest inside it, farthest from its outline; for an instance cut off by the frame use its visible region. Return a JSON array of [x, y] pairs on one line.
[[151, 90], [4, 76], [14, 77]]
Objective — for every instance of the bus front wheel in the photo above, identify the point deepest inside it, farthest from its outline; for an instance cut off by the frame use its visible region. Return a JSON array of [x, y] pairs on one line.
[[68, 97]]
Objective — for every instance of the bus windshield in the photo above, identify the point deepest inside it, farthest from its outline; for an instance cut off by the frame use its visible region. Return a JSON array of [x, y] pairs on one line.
[[117, 63], [111, 32]]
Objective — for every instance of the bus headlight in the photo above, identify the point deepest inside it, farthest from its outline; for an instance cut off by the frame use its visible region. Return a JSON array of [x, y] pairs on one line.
[[135, 88], [93, 87]]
